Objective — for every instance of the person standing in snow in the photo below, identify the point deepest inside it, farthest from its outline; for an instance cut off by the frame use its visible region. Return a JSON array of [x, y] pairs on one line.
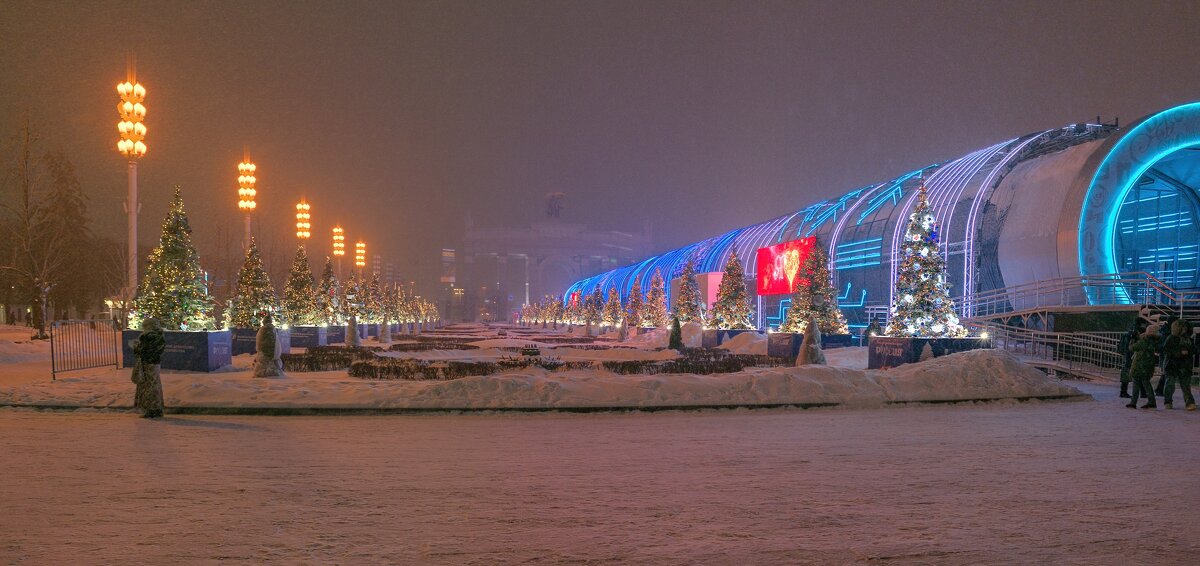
[[1178, 353], [1164, 334], [1127, 341], [1145, 358], [146, 371]]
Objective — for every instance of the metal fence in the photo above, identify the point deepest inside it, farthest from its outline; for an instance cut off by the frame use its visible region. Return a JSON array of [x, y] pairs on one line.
[[84, 344]]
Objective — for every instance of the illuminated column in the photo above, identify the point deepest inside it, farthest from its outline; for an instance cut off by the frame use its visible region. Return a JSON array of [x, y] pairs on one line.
[[360, 256], [339, 247], [246, 193], [302, 221], [132, 131]]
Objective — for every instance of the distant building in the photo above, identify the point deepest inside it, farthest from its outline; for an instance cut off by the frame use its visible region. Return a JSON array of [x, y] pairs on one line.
[[498, 270]]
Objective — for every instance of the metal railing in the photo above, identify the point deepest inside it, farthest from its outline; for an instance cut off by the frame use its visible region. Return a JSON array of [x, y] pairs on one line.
[[84, 344], [1137, 288], [1087, 354]]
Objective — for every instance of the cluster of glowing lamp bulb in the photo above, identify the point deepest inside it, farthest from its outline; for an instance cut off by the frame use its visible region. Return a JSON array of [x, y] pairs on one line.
[[360, 255], [132, 112], [339, 241], [246, 182], [302, 221]]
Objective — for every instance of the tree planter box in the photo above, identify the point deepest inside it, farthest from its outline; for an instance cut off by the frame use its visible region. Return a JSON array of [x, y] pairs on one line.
[[188, 351], [245, 341], [335, 334], [708, 338], [887, 352], [787, 344], [308, 336], [372, 330]]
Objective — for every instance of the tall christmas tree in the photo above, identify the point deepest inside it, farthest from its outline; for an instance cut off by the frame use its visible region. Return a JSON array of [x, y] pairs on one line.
[[372, 299], [254, 295], [654, 313], [814, 296], [612, 308], [922, 304], [174, 289], [300, 294], [688, 305], [634, 306], [327, 300], [732, 309]]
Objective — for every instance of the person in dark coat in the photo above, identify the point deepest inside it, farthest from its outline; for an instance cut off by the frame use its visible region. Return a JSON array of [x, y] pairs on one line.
[[1178, 367], [1145, 358], [146, 370], [1164, 334], [1124, 347]]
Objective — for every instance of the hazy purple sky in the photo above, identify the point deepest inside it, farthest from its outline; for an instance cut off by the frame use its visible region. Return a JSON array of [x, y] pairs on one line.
[[395, 118]]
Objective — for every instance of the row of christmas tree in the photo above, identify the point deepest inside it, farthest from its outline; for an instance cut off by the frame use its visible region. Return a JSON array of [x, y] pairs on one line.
[[174, 290], [813, 296]]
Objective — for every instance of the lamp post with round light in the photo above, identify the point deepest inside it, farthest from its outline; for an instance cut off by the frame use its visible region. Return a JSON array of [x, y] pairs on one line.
[[246, 193], [132, 147], [339, 247], [302, 221], [360, 256]]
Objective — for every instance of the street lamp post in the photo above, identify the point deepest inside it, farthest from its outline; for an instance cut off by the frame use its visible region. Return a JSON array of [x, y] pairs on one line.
[[132, 131], [360, 256], [246, 193], [339, 247], [302, 221]]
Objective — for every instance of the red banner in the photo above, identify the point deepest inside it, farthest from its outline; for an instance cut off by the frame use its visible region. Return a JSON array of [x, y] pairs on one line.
[[778, 266]]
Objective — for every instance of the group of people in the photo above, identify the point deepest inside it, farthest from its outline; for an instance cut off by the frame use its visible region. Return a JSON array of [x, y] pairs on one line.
[[1146, 348]]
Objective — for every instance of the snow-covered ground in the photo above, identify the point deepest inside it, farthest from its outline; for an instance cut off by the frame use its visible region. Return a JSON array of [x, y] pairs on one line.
[[981, 374], [1085, 482]]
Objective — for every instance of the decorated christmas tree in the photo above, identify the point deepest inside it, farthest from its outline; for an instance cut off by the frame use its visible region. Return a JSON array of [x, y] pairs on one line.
[[300, 294], [174, 290], [352, 300], [372, 300], [732, 309], [654, 313], [573, 312], [327, 300], [254, 295], [688, 305], [813, 296], [634, 306], [593, 307], [922, 305], [612, 308]]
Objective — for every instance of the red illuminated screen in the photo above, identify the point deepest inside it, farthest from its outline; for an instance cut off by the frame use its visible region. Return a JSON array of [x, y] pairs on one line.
[[779, 265]]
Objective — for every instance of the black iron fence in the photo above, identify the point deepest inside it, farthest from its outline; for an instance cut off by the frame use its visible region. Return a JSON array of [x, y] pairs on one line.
[[84, 344]]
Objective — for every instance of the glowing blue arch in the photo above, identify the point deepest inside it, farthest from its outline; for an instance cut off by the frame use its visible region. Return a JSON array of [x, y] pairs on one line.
[[1140, 148]]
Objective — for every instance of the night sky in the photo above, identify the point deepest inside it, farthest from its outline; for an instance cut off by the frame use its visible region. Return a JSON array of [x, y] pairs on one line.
[[396, 118]]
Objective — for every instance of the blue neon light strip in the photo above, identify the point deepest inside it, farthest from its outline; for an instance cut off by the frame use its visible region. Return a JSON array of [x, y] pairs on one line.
[[893, 193]]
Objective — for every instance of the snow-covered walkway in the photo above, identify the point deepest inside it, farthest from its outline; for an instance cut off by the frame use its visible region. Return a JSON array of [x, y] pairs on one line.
[[1085, 482]]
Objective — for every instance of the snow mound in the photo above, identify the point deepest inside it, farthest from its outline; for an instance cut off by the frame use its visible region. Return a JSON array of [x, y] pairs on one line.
[[968, 376], [752, 343]]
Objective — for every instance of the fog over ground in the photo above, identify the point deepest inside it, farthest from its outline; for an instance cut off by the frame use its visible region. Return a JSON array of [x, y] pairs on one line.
[[397, 118]]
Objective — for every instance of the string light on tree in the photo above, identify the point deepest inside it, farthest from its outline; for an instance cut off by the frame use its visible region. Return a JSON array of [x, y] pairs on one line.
[[302, 220], [132, 146], [922, 306]]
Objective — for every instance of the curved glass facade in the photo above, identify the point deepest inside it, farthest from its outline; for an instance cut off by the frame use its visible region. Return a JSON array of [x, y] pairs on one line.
[[862, 229]]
